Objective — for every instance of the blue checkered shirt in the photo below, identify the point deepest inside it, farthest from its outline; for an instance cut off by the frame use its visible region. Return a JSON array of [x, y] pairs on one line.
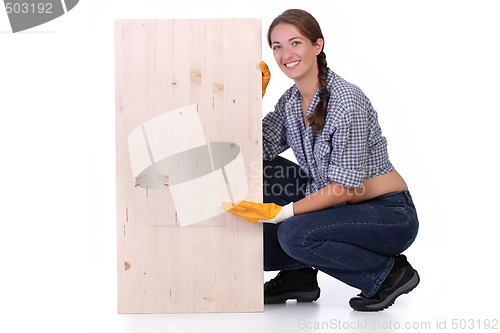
[[348, 150]]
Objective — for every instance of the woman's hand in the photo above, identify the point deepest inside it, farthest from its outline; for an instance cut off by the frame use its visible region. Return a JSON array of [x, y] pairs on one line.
[[266, 76], [259, 212]]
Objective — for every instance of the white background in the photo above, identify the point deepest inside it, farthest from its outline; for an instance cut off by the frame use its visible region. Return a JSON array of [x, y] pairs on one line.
[[431, 70]]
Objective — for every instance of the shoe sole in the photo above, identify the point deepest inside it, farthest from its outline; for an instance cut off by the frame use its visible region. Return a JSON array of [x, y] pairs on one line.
[[306, 296], [404, 289]]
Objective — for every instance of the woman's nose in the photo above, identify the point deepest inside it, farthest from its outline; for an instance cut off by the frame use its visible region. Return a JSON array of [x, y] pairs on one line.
[[287, 53]]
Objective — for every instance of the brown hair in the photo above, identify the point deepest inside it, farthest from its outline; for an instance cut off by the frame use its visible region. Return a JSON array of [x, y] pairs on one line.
[[309, 27]]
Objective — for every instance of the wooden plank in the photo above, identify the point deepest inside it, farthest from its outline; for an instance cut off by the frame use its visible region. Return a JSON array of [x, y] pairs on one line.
[[161, 66]]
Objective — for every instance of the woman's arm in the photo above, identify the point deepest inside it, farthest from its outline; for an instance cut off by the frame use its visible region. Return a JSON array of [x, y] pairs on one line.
[[328, 196], [274, 139], [332, 194]]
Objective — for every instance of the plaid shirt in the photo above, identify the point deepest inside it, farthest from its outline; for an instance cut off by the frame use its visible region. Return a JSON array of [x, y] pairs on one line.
[[348, 150]]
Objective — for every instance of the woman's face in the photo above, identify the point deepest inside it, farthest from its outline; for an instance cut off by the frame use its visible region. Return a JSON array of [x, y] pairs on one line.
[[294, 53]]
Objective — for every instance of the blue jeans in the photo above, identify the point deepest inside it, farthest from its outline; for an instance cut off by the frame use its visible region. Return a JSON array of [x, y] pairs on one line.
[[355, 244]]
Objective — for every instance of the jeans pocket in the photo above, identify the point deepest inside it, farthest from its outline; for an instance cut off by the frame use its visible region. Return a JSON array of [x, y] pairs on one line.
[[400, 212], [396, 208], [397, 205]]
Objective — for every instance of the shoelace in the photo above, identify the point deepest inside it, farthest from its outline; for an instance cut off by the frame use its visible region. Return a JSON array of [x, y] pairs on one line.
[[382, 287], [275, 282]]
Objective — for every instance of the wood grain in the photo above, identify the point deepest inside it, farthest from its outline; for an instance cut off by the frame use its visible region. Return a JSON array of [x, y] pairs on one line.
[[162, 65]]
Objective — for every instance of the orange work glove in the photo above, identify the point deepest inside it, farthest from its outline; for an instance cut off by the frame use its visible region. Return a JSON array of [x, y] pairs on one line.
[[266, 76], [259, 212]]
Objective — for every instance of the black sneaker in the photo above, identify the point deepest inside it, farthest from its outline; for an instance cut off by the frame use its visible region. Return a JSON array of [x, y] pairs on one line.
[[401, 280], [300, 284]]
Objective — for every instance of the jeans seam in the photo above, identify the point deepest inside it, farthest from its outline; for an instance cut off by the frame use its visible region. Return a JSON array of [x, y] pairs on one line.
[[284, 267], [381, 278], [329, 259], [356, 223]]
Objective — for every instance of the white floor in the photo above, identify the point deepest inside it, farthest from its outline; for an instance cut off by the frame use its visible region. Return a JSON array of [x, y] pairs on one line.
[[430, 307], [330, 312], [72, 305]]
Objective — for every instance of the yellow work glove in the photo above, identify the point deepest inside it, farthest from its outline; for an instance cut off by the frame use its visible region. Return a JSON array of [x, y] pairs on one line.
[[266, 76], [259, 212]]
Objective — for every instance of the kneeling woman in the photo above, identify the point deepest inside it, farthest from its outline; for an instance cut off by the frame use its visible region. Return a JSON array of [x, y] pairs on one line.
[[345, 210]]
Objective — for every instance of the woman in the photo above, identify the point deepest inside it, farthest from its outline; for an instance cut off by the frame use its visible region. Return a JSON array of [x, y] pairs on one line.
[[345, 211]]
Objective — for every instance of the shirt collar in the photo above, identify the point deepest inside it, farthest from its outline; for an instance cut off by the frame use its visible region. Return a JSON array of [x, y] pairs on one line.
[[295, 96], [295, 93]]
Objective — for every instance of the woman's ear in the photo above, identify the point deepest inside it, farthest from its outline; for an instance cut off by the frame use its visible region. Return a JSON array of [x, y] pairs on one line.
[[320, 42]]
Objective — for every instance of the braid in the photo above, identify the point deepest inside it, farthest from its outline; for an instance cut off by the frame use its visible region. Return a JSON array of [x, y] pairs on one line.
[[317, 118], [323, 69]]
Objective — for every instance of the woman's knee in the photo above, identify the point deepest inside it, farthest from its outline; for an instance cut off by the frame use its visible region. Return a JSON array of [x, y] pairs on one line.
[[291, 237]]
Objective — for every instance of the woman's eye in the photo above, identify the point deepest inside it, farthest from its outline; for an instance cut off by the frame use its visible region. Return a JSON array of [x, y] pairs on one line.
[[277, 47], [295, 43]]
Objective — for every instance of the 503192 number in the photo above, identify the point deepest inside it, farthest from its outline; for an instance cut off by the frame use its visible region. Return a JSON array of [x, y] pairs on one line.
[[471, 324], [28, 8]]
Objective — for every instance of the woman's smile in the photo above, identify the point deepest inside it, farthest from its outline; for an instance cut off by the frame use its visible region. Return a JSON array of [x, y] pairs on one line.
[[292, 64]]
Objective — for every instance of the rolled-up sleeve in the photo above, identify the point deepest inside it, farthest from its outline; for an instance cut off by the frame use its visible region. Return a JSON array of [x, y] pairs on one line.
[[274, 140]]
